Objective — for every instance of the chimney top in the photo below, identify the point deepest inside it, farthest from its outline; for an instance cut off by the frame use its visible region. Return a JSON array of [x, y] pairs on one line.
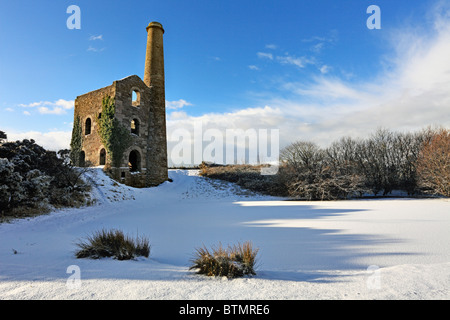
[[155, 24]]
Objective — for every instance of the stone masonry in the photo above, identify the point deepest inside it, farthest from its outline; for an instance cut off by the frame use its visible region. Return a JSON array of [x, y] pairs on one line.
[[140, 107]]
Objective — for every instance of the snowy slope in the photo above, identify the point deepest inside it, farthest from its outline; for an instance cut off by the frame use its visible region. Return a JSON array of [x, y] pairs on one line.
[[362, 249]]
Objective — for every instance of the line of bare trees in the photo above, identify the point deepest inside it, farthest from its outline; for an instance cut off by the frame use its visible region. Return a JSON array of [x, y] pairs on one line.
[[415, 163]]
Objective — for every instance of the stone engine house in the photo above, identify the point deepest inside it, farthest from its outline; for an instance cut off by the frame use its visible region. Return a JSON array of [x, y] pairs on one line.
[[139, 107]]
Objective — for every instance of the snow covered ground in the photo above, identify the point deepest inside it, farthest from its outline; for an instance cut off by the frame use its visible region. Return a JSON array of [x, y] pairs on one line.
[[360, 249]]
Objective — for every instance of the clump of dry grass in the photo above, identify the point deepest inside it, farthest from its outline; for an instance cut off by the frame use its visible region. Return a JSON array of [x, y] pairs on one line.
[[232, 262], [112, 243]]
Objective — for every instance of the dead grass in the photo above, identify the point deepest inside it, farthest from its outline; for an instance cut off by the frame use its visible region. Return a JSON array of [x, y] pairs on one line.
[[112, 243], [232, 262]]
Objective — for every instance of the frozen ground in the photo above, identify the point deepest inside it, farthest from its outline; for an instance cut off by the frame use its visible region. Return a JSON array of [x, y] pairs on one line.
[[362, 249]]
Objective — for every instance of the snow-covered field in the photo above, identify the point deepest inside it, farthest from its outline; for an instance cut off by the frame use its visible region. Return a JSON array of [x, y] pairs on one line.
[[361, 249]]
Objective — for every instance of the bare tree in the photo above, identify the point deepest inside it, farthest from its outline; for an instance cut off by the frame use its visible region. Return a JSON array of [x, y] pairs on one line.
[[315, 174], [433, 164]]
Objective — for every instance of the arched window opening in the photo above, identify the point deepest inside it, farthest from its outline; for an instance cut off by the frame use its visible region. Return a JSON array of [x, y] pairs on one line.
[[135, 126], [82, 159], [134, 161], [87, 127], [102, 157], [135, 98]]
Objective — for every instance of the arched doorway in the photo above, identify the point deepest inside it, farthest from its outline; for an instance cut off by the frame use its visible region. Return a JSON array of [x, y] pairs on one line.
[[134, 161], [82, 159], [102, 157]]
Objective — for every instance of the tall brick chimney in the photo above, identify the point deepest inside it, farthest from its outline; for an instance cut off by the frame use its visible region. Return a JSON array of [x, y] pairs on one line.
[[154, 60], [154, 79]]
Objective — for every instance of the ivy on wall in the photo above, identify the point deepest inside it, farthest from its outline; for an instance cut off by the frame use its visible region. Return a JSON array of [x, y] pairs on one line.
[[114, 136], [76, 141]]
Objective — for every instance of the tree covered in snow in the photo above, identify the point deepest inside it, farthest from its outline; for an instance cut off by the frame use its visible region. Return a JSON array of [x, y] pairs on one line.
[[34, 178]]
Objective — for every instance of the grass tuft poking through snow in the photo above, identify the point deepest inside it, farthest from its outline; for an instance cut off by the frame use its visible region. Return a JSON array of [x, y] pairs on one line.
[[233, 262], [112, 243]]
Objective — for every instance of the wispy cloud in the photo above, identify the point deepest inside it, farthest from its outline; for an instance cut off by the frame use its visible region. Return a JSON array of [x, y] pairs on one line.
[[287, 59], [317, 48], [318, 43], [324, 69], [178, 104], [411, 94], [53, 140], [46, 107], [271, 46], [253, 67], [265, 55], [92, 49], [93, 38], [300, 62]]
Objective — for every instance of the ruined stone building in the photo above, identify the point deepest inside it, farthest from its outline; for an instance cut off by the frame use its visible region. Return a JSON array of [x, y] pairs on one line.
[[140, 109]]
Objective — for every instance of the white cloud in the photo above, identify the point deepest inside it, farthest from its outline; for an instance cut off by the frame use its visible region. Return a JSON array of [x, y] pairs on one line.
[[27, 113], [53, 140], [55, 110], [410, 95], [265, 55], [271, 46], [329, 90], [9, 109], [65, 104], [33, 104], [93, 38], [300, 62], [178, 104], [253, 67], [317, 48], [92, 49], [324, 69], [331, 38], [46, 107]]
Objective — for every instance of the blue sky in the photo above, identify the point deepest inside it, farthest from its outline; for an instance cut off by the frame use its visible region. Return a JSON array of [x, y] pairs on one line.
[[309, 68]]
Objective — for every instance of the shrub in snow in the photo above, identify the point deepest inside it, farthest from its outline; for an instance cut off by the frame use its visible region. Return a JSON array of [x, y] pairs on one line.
[[246, 176], [112, 243], [232, 262], [32, 178], [11, 190]]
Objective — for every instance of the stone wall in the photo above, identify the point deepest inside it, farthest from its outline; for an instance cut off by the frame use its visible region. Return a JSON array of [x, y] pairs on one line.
[[149, 142], [89, 105]]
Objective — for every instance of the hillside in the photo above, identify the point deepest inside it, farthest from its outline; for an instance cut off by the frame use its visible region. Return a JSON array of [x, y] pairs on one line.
[[360, 249]]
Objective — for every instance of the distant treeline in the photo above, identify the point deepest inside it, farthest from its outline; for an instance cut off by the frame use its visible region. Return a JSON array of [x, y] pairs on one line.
[[415, 163]]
